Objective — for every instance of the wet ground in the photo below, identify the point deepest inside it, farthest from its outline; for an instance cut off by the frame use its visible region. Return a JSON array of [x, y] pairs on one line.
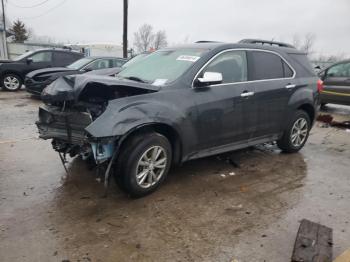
[[208, 210]]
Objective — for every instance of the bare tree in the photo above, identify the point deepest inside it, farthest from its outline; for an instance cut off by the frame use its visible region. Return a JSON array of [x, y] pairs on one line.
[[160, 40], [308, 44], [305, 44], [143, 38], [296, 41]]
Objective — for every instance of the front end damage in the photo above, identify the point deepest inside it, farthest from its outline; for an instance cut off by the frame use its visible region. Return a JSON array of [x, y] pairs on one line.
[[72, 105]]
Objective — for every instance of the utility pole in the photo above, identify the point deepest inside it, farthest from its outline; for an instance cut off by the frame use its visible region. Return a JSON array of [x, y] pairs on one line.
[[4, 41], [125, 29]]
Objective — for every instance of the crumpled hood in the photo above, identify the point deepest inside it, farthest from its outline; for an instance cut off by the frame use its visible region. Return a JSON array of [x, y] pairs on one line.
[[68, 88], [50, 71]]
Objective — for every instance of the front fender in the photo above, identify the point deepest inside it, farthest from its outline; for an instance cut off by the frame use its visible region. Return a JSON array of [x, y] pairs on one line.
[[118, 120]]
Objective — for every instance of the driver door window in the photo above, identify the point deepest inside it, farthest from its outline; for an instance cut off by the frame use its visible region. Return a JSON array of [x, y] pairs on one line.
[[232, 65], [99, 64], [42, 57], [340, 70]]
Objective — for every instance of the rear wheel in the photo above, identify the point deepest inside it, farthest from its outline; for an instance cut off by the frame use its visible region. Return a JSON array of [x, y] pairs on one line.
[[143, 164], [11, 82], [296, 134]]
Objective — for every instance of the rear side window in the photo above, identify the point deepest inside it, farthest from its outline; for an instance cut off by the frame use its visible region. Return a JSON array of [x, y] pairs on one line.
[[232, 65], [264, 66], [64, 58]]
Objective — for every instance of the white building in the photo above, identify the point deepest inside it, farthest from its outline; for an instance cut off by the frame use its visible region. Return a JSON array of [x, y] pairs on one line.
[[98, 49]]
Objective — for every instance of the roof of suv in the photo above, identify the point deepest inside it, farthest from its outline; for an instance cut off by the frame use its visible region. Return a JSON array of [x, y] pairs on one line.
[[214, 45], [57, 49]]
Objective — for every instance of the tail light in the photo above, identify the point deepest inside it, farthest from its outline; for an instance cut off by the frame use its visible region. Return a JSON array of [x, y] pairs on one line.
[[319, 85]]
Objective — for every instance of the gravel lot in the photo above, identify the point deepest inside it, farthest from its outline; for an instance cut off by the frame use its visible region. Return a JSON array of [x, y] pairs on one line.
[[208, 209]]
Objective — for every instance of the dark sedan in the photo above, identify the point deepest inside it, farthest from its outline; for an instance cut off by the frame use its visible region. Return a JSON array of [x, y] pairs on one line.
[[336, 80], [12, 72], [37, 80]]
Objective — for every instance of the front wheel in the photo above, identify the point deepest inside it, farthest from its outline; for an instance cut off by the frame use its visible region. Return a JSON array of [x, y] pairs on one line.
[[11, 82], [144, 164], [296, 133]]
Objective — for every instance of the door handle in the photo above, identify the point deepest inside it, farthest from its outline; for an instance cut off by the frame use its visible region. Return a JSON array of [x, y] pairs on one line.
[[290, 86], [247, 94]]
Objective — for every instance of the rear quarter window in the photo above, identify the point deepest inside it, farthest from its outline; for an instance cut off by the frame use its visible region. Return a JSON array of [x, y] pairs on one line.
[[266, 65], [302, 65]]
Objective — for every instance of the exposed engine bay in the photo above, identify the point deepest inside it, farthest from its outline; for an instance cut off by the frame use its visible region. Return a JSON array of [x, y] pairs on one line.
[[71, 105]]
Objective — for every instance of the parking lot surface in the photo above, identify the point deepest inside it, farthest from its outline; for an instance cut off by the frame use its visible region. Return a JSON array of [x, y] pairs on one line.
[[245, 205]]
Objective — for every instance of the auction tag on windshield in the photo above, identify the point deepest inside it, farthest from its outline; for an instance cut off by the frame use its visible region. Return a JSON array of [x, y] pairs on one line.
[[159, 82], [188, 58]]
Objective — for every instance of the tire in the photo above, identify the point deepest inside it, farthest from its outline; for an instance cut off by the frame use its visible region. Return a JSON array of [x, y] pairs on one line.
[[133, 175], [11, 82], [323, 105], [292, 140]]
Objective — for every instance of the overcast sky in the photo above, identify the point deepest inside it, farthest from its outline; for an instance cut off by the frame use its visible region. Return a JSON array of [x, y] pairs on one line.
[[191, 20]]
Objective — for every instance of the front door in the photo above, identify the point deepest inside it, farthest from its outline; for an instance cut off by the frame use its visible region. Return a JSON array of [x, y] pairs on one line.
[[40, 60], [225, 111], [337, 84]]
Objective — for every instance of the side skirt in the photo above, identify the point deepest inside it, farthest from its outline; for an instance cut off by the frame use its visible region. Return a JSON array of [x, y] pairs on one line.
[[231, 147]]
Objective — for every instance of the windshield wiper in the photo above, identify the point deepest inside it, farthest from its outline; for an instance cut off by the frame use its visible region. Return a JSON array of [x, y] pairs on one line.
[[135, 78]]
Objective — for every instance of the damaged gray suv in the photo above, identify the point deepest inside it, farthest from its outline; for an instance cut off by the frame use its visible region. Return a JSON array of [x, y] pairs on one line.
[[179, 104]]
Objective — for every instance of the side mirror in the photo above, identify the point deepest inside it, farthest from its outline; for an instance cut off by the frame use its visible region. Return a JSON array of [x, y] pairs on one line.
[[87, 69], [209, 78], [29, 60]]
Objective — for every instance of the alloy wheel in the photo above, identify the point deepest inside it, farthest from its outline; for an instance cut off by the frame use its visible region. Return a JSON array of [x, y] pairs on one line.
[[299, 132], [11, 82], [151, 166]]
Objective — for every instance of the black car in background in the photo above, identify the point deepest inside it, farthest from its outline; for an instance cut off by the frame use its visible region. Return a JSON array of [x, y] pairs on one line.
[[12, 72], [37, 80], [336, 79], [182, 103]]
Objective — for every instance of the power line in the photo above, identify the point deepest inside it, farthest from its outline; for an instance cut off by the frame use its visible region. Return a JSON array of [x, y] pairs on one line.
[[32, 6], [48, 11]]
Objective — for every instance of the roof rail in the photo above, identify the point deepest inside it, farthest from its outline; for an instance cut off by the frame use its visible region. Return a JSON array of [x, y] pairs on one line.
[[265, 42], [206, 41]]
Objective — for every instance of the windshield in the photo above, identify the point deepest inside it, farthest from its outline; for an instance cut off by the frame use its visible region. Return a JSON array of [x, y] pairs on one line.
[[20, 57], [163, 66], [134, 59], [80, 63]]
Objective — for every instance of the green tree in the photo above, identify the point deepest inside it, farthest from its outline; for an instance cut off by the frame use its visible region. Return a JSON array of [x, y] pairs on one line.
[[20, 32]]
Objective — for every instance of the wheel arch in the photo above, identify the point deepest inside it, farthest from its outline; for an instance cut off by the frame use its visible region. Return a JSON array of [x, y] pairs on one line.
[[13, 72], [164, 129], [310, 110]]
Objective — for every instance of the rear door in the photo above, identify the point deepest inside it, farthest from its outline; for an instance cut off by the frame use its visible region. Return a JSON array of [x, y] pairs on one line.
[[225, 111], [337, 84], [61, 59], [273, 83]]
